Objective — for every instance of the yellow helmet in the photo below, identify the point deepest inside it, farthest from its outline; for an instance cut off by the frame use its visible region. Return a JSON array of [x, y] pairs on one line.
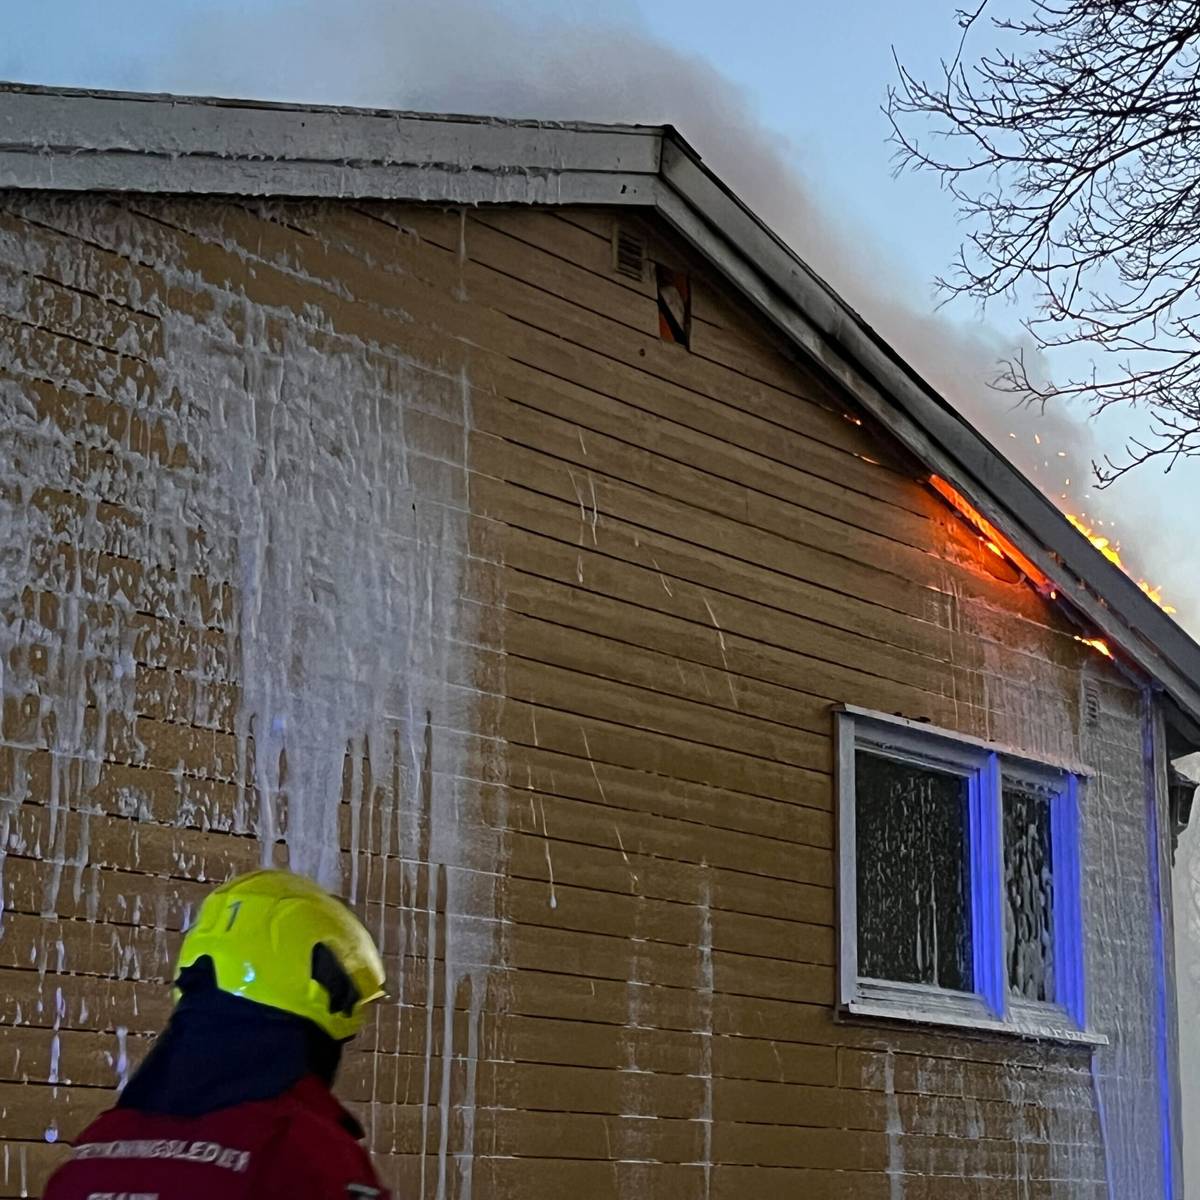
[[279, 939]]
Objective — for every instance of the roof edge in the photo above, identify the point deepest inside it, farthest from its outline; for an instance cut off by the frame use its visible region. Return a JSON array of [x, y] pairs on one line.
[[176, 99], [77, 140], [822, 325]]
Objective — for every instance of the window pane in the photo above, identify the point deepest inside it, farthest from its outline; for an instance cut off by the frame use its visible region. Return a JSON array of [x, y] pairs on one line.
[[1029, 892], [914, 900]]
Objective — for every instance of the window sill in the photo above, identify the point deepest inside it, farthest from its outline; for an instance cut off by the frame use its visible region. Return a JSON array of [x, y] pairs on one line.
[[1023, 1028]]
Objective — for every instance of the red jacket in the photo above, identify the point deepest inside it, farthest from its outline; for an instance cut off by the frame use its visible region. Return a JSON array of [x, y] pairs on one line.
[[300, 1146]]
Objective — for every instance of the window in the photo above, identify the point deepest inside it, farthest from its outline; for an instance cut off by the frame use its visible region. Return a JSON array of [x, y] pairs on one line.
[[959, 881], [674, 305]]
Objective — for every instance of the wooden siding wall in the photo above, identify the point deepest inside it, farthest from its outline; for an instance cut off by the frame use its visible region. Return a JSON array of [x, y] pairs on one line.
[[678, 561]]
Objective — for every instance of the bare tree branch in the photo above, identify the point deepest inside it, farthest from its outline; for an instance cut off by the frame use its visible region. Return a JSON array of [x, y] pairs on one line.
[[1072, 148]]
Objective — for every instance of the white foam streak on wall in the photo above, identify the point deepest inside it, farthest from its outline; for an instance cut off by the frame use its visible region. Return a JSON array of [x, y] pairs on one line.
[[895, 1130], [1119, 909], [323, 486], [65, 667], [338, 557], [351, 634], [705, 988]]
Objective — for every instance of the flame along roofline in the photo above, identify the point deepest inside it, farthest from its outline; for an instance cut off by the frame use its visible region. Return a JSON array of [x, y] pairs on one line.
[[69, 139]]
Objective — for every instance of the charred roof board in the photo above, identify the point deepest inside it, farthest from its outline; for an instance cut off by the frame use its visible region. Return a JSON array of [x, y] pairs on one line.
[[75, 140]]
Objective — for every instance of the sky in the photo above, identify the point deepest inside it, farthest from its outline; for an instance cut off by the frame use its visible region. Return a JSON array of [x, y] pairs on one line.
[[782, 97]]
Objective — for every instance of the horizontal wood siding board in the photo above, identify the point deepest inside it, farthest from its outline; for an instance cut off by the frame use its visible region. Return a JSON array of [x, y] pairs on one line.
[[667, 571], [288, 264]]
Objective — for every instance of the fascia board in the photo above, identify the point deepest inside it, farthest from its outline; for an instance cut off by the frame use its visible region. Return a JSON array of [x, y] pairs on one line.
[[116, 171], [118, 142]]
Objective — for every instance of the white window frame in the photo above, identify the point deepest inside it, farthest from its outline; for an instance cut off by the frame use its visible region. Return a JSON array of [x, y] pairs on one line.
[[989, 1007]]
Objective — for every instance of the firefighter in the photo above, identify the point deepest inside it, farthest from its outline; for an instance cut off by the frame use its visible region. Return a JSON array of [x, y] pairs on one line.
[[233, 1099]]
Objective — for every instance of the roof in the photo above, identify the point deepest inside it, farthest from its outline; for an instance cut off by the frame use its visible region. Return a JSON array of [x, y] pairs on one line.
[[106, 141]]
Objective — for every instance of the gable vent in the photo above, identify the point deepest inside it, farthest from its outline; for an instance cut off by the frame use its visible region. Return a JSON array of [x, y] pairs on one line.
[[629, 253], [1091, 705]]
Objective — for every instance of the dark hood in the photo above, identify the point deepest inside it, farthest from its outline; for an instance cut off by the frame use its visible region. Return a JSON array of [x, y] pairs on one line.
[[219, 1050]]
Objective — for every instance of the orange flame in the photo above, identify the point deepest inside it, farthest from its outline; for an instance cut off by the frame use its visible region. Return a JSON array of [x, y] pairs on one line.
[[999, 545], [1113, 554], [991, 537]]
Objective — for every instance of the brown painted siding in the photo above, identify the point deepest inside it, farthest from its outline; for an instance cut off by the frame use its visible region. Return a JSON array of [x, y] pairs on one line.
[[675, 563]]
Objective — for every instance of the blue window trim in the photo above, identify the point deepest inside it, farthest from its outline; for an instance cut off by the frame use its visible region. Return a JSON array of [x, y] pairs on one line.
[[990, 1007], [1068, 909], [987, 891]]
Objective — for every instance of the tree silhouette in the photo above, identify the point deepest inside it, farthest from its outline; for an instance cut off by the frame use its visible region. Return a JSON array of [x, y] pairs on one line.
[[1073, 149]]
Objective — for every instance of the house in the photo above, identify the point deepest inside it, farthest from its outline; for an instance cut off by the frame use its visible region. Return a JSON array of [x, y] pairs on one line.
[[756, 786]]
